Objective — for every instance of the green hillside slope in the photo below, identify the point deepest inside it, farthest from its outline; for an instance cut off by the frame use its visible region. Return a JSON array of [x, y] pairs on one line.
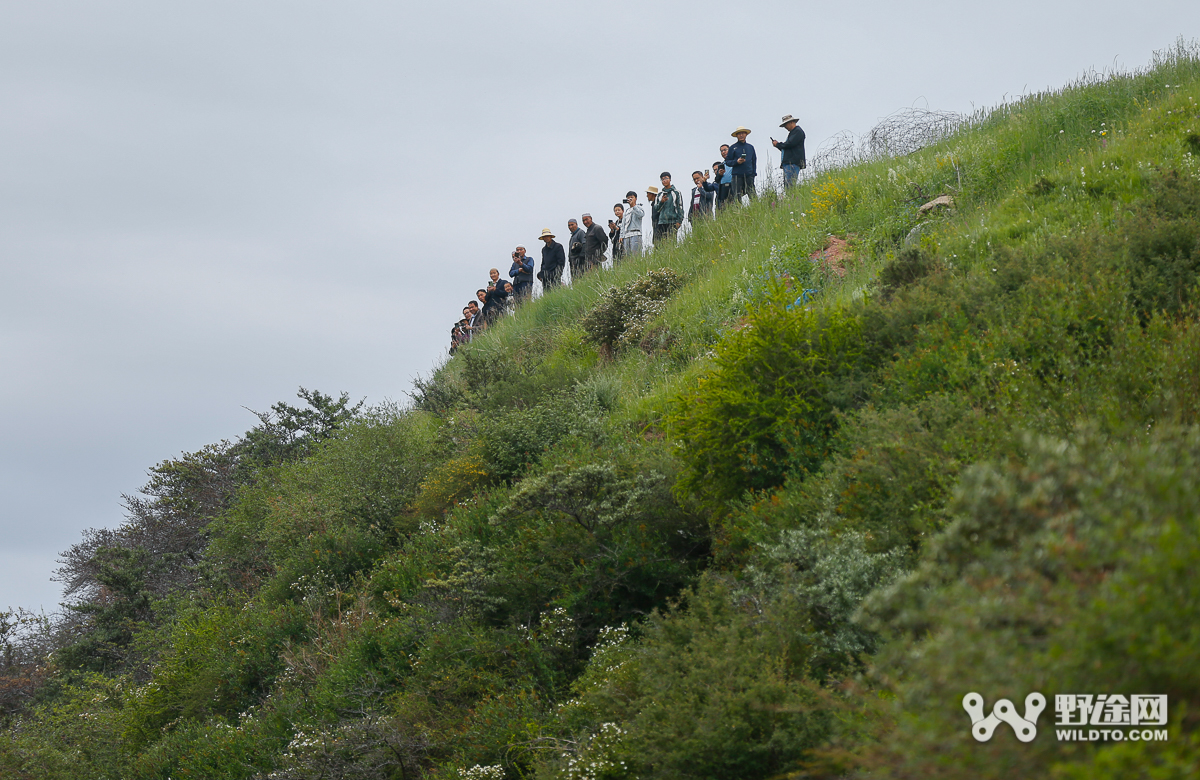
[[766, 504]]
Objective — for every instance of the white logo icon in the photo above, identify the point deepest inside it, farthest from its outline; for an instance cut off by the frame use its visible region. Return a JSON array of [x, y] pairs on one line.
[[982, 728]]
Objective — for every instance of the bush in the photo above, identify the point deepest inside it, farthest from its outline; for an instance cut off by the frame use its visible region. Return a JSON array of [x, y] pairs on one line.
[[767, 404], [623, 312], [1070, 572], [715, 689]]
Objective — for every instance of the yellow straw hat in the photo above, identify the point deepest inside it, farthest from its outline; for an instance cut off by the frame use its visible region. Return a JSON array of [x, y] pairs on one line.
[[740, 129], [546, 233]]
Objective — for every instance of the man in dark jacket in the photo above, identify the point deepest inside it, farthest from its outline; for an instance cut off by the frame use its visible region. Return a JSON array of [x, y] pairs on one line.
[[652, 199], [522, 274], [742, 164], [554, 259], [793, 151], [724, 183], [702, 197], [575, 248], [670, 208], [497, 296], [595, 241]]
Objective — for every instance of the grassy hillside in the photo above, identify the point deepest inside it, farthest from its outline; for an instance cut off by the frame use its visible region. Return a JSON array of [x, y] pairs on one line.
[[734, 509]]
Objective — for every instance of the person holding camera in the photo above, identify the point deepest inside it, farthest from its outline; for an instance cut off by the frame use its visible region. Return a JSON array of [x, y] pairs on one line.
[[522, 275], [631, 226], [724, 184], [793, 151], [702, 197], [554, 259]]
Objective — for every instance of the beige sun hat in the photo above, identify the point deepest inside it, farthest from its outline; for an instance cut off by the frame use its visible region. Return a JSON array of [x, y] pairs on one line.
[[652, 190], [740, 129], [788, 118], [546, 233]]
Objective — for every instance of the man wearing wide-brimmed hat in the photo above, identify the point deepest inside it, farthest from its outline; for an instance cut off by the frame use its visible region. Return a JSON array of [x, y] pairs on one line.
[[793, 150], [554, 260], [743, 164]]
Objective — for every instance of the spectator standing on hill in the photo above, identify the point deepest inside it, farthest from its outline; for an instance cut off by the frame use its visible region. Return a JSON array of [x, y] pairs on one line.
[[724, 184], [554, 259], [497, 294], [702, 197], [522, 274], [465, 325], [743, 164], [614, 230], [670, 207], [793, 151], [652, 199], [508, 302], [575, 248], [481, 297], [631, 226], [595, 241]]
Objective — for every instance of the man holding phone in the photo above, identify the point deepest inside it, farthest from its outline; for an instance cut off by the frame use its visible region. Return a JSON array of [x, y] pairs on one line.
[[793, 151], [631, 226], [743, 164]]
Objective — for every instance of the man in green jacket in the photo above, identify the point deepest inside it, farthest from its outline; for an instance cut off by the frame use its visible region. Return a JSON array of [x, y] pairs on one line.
[[670, 208]]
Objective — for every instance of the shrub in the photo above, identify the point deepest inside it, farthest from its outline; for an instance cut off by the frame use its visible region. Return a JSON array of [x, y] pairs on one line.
[[767, 402], [1163, 247], [1070, 572], [715, 689], [623, 312]]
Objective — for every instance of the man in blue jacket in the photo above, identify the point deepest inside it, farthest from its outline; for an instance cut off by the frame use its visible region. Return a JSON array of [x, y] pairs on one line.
[[743, 164], [522, 274]]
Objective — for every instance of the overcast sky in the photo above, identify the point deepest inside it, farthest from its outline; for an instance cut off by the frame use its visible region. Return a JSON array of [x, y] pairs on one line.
[[206, 205]]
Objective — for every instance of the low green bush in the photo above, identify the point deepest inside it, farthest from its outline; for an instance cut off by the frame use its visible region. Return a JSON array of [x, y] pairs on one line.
[[768, 401], [621, 314]]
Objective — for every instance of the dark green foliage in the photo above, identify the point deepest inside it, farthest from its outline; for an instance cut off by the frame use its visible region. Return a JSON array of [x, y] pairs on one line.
[[609, 543], [1071, 572], [109, 621], [715, 689], [287, 432], [1163, 247], [769, 401], [906, 268], [622, 312], [514, 440]]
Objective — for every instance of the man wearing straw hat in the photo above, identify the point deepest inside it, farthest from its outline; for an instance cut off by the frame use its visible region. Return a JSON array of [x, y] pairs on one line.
[[742, 164], [793, 151], [554, 259]]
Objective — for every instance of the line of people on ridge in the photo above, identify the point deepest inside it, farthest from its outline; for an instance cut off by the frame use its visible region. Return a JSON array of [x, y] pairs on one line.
[[734, 176]]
